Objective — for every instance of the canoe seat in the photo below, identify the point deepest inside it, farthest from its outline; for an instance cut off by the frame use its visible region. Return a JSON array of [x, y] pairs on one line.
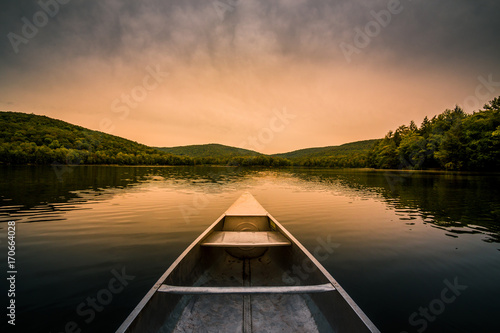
[[245, 239], [320, 288]]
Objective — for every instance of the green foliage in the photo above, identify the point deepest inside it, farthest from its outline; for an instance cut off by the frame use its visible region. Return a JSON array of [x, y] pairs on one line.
[[331, 151], [349, 155], [452, 140], [32, 139], [209, 151]]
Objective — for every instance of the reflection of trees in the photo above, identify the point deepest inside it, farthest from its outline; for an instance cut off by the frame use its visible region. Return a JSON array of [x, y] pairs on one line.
[[32, 186], [447, 200], [47, 188]]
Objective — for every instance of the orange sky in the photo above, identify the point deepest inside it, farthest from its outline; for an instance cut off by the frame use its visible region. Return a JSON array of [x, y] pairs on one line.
[[271, 78]]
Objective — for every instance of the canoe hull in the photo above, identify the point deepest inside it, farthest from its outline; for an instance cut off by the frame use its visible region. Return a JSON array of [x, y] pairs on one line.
[[287, 299]]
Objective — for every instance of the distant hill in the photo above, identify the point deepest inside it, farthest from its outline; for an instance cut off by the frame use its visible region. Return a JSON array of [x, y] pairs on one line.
[[211, 150], [32, 139], [353, 148], [452, 140]]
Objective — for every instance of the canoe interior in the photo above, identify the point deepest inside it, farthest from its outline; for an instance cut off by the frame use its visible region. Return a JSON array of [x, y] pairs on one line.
[[206, 266], [230, 313]]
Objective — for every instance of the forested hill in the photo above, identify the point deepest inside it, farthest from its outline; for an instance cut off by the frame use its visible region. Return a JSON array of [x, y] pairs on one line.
[[453, 140], [33, 139], [352, 154], [211, 150]]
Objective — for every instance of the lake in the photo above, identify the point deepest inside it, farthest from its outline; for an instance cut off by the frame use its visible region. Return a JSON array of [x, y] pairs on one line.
[[417, 251]]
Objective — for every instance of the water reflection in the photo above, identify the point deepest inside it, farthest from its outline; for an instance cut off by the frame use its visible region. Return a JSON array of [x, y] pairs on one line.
[[458, 203], [39, 194], [391, 227]]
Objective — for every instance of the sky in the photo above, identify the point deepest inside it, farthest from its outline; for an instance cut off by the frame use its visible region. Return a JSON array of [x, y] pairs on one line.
[[272, 76]]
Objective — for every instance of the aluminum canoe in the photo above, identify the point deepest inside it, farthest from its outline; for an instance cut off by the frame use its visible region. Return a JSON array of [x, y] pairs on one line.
[[246, 273]]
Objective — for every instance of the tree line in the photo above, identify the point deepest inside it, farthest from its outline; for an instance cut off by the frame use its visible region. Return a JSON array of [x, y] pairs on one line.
[[14, 153], [452, 140], [40, 140]]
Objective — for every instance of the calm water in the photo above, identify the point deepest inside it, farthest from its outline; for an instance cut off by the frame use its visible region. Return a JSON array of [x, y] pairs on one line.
[[399, 236]]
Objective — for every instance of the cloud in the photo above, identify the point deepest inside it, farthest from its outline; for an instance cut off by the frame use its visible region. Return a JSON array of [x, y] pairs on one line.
[[230, 66], [190, 31]]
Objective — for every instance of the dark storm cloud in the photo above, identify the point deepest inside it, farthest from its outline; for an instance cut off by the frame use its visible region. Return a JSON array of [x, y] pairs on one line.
[[226, 64], [464, 31]]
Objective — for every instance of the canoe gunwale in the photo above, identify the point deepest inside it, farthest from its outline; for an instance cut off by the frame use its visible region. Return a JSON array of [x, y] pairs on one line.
[[364, 318], [163, 286], [137, 310]]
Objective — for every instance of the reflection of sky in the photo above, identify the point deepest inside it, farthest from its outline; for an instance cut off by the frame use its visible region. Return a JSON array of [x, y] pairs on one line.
[[227, 75], [458, 205], [386, 249]]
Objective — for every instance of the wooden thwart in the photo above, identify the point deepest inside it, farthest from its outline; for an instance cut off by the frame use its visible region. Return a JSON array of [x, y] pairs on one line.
[[246, 239], [320, 288]]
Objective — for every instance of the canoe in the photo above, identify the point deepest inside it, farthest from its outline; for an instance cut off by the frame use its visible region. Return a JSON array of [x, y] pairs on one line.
[[247, 273]]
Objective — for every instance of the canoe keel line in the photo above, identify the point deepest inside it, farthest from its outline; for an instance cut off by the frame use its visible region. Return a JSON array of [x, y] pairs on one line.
[[232, 279]]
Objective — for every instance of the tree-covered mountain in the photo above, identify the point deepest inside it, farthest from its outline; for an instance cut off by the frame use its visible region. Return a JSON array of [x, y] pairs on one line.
[[33, 139], [209, 150], [342, 150], [453, 140], [217, 154], [352, 154]]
